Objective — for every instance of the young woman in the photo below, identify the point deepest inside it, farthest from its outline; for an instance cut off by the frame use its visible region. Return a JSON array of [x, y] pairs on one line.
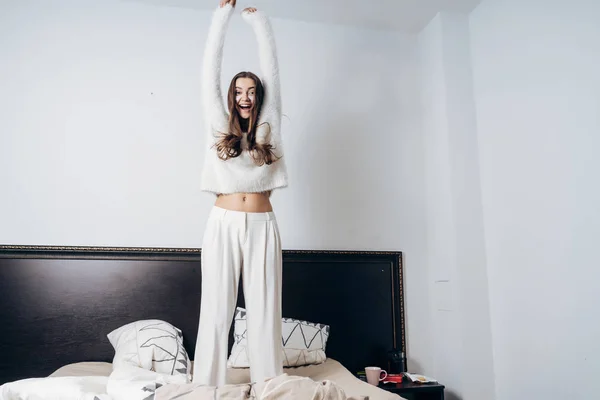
[[243, 165]]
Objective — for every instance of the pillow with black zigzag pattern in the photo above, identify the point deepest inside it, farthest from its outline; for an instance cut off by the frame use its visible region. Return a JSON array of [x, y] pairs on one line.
[[153, 345], [303, 342]]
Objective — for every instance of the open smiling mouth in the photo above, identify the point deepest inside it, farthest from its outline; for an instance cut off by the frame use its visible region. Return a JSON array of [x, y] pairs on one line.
[[245, 106]]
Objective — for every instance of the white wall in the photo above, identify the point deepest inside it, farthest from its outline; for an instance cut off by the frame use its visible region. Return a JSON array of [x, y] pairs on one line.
[[102, 138], [537, 91], [101, 135], [461, 334]]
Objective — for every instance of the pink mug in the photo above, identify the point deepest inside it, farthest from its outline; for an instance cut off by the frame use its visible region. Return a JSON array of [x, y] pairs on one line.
[[374, 375]]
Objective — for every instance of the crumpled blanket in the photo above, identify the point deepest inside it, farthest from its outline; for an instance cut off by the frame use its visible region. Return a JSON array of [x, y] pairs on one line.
[[133, 383], [282, 387]]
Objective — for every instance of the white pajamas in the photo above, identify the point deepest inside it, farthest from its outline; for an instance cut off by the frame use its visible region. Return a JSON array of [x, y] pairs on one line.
[[248, 243], [236, 242]]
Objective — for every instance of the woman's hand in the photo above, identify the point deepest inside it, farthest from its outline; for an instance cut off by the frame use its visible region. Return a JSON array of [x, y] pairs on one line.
[[250, 10], [222, 3]]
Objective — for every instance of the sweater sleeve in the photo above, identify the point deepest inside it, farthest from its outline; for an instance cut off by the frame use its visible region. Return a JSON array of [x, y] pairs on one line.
[[271, 109], [212, 97]]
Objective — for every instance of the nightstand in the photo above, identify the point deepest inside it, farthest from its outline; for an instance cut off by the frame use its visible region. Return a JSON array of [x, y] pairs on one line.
[[416, 391]]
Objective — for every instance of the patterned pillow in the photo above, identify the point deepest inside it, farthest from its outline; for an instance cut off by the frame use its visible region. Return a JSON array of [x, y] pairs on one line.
[[151, 344], [303, 342]]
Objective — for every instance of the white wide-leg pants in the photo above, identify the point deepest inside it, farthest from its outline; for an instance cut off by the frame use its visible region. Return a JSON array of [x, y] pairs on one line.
[[240, 243]]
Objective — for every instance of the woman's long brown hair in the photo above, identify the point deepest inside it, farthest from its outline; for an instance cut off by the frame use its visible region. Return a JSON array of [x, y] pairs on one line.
[[229, 145]]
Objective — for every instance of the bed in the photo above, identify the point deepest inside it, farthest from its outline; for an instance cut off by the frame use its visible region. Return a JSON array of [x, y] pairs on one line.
[[59, 303], [329, 370]]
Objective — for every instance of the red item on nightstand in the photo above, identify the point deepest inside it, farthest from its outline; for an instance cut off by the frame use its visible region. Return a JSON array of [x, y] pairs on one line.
[[393, 378]]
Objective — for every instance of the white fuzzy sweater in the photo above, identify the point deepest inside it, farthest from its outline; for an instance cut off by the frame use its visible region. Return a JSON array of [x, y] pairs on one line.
[[241, 174]]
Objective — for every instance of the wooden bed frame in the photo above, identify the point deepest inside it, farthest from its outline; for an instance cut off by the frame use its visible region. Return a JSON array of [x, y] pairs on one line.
[[59, 303]]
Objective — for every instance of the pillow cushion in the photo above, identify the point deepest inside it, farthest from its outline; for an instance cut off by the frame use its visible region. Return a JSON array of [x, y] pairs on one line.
[[303, 342], [151, 344]]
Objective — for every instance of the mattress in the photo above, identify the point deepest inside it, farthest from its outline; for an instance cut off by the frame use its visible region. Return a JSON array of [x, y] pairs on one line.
[[329, 370]]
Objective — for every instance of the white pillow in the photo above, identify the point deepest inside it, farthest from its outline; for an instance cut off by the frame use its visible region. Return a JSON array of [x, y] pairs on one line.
[[303, 342], [153, 345]]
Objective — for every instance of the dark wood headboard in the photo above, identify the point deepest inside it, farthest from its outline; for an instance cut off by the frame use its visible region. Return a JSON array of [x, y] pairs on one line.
[[59, 303]]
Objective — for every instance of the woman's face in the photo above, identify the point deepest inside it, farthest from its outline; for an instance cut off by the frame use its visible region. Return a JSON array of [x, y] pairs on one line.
[[245, 94]]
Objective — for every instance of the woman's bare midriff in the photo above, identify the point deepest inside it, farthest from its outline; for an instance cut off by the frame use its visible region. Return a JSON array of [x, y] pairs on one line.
[[245, 202]]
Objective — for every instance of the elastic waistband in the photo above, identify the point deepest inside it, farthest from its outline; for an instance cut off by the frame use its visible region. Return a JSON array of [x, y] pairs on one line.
[[219, 213]]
